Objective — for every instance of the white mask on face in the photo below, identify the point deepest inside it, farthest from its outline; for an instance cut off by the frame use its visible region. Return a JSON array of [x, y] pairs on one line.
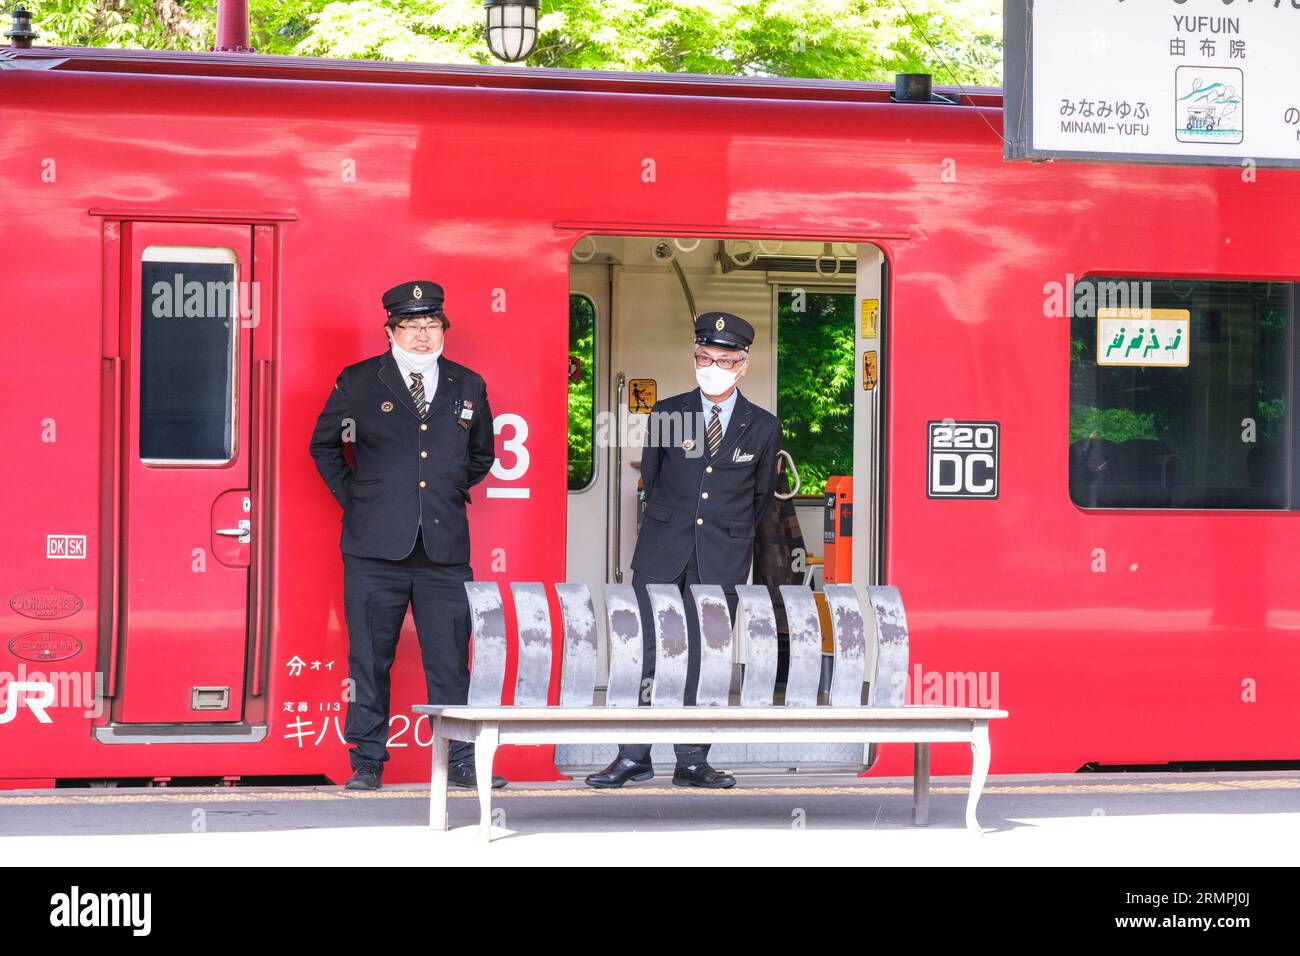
[[419, 361], [715, 381]]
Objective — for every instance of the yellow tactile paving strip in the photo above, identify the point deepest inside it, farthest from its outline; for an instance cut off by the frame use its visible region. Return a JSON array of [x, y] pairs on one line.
[[254, 795]]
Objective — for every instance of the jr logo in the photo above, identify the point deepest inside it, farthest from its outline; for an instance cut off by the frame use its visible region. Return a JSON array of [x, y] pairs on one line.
[[37, 695]]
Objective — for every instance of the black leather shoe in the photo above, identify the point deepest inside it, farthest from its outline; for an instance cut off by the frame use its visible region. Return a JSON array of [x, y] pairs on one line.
[[463, 775], [620, 772], [366, 777], [702, 775]]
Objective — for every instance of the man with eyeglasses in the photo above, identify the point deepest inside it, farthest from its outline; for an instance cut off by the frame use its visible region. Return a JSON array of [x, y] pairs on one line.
[[421, 436], [706, 487]]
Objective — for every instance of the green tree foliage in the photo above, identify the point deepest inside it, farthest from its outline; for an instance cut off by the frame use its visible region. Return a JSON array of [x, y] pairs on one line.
[[1111, 424], [956, 40], [582, 393], [815, 355], [157, 24]]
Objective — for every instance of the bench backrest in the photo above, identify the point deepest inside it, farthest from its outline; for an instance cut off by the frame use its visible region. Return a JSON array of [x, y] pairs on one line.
[[533, 620], [487, 623], [581, 646], [623, 619], [757, 622], [848, 630], [890, 667], [805, 646], [871, 649]]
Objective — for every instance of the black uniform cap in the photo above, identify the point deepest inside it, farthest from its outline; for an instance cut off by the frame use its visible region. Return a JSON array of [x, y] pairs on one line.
[[414, 298], [723, 330]]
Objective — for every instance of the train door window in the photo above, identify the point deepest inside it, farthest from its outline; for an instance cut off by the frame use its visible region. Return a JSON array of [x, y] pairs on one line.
[[188, 343], [814, 387], [1181, 394], [582, 392]]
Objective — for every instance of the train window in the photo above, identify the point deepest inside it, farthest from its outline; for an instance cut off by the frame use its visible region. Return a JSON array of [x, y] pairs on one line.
[[188, 337], [814, 387], [1180, 394], [582, 392]]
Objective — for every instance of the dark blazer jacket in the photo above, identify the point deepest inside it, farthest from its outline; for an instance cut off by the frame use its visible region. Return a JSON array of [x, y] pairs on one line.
[[709, 504], [406, 473]]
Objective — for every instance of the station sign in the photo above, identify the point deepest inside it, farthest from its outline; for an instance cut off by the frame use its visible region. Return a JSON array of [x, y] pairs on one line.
[[1181, 82]]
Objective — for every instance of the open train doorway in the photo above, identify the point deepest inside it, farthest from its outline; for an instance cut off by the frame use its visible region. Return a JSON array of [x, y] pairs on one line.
[[816, 363]]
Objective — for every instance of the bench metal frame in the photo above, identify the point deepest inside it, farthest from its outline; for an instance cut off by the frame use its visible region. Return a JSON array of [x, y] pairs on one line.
[[880, 662], [492, 727]]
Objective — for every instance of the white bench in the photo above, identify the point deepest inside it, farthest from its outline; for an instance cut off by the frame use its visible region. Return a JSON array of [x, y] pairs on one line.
[[880, 660]]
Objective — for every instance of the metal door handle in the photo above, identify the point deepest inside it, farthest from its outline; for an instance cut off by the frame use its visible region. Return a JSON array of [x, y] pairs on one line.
[[243, 532]]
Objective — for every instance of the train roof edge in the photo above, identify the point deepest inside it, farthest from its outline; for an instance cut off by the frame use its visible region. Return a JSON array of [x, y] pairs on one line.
[[324, 69]]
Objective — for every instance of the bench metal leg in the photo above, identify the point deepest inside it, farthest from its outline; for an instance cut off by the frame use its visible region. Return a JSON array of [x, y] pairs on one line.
[[921, 785], [979, 771], [438, 779], [485, 748]]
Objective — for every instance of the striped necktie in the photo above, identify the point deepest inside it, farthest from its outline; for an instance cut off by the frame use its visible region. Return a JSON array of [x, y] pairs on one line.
[[715, 432], [417, 393]]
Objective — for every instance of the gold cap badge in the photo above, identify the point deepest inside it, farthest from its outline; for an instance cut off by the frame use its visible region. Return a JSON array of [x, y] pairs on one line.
[[417, 292], [720, 324]]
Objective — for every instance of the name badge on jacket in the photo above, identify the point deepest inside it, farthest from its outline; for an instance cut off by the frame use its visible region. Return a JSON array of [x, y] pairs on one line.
[[464, 413]]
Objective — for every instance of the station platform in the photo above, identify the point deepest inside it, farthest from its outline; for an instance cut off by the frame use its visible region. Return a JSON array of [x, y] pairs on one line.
[[1193, 819]]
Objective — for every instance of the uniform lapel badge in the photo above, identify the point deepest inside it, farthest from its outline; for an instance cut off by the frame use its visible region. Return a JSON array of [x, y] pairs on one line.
[[463, 412], [739, 458], [386, 407]]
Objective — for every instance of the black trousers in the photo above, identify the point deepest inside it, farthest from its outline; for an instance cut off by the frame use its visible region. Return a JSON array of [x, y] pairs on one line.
[[376, 594], [687, 754]]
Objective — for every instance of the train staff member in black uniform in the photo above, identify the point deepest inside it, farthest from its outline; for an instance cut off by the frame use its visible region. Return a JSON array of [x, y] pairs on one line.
[[421, 434], [705, 492]]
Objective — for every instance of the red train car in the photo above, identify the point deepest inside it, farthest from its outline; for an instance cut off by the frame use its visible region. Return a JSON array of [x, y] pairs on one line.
[[1106, 550]]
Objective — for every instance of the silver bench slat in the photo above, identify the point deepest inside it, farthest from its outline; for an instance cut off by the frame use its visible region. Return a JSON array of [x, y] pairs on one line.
[[580, 654], [805, 646], [533, 622], [714, 618], [889, 687], [757, 621], [671, 648], [488, 632], [623, 617], [848, 633]]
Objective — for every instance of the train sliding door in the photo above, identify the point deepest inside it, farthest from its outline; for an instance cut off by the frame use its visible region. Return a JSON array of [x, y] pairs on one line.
[[817, 361], [186, 495]]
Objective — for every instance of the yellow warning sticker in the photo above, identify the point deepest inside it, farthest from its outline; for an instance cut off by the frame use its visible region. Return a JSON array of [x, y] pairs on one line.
[[640, 396], [871, 318]]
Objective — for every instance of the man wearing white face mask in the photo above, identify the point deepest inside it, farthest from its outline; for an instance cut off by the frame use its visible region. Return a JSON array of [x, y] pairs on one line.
[[421, 435], [706, 486]]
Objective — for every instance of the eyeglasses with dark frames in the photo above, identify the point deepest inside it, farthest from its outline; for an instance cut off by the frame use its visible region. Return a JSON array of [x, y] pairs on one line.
[[415, 329], [704, 360]]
